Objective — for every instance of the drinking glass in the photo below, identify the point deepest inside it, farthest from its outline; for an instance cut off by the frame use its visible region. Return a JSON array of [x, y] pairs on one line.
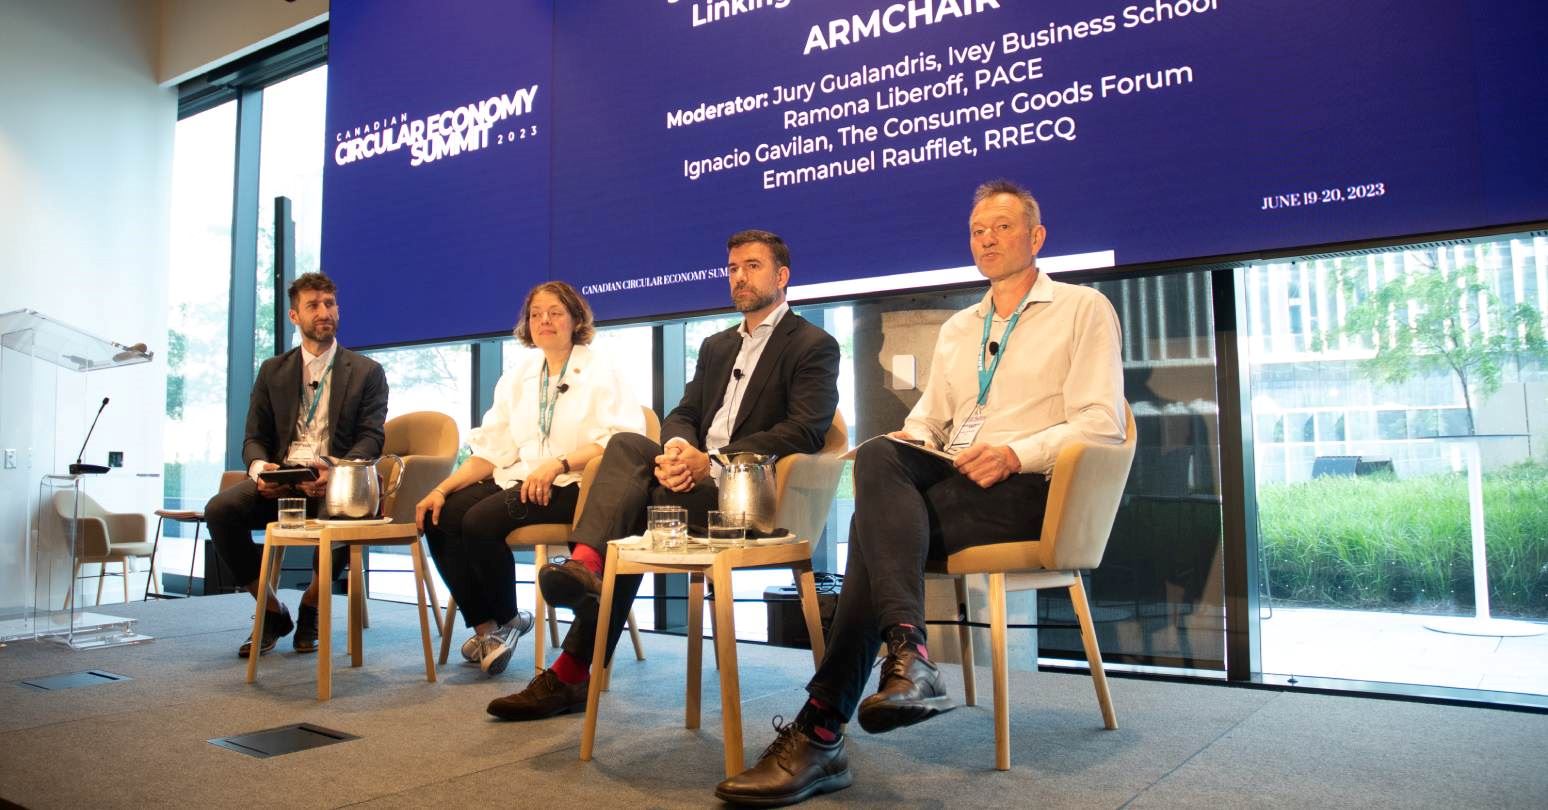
[[292, 513], [668, 527], [727, 529]]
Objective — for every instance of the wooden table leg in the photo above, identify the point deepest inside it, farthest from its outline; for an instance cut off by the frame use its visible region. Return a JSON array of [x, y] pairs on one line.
[[256, 648], [730, 685], [599, 654], [356, 605], [324, 616], [810, 609], [540, 612], [695, 649], [421, 585]]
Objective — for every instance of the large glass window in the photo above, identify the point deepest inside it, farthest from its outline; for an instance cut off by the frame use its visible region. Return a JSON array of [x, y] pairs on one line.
[[290, 165], [199, 288], [1428, 386]]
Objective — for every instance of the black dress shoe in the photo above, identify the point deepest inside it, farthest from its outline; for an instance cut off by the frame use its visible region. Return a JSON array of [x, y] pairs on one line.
[[545, 696], [910, 689], [275, 626], [793, 768], [570, 584], [305, 639]]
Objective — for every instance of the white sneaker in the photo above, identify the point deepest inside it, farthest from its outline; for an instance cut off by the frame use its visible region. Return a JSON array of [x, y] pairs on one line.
[[499, 645], [473, 648]]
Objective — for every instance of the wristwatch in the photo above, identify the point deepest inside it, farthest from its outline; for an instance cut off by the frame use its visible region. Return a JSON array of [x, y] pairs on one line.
[[564, 462]]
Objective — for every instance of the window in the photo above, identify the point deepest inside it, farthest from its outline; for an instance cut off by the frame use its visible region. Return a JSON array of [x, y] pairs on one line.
[[199, 287]]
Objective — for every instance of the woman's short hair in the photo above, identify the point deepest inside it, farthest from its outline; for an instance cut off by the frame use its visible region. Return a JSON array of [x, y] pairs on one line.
[[580, 313]]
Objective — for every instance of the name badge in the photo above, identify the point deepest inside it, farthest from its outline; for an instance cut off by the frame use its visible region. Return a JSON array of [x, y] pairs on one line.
[[967, 433], [302, 453]]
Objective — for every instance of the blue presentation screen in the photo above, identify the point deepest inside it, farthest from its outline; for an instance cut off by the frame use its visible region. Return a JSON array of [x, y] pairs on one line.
[[436, 181], [1152, 131]]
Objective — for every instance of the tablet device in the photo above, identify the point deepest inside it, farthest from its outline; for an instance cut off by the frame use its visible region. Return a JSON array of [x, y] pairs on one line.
[[288, 476]]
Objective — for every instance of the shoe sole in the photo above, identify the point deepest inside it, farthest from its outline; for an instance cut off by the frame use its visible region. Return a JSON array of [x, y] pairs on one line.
[[516, 718], [827, 784], [562, 590], [880, 718], [495, 664]]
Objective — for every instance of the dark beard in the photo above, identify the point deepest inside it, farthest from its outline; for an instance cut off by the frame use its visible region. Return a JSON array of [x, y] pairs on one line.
[[757, 303]]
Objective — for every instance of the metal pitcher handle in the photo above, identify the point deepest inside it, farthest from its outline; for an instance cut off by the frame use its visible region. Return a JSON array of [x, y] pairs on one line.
[[397, 482]]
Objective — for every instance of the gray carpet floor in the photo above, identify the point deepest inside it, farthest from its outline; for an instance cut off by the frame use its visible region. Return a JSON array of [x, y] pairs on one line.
[[143, 741]]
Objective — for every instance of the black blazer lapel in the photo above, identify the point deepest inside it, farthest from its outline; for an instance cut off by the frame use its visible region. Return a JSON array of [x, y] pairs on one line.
[[338, 390], [287, 389], [767, 363], [717, 373]]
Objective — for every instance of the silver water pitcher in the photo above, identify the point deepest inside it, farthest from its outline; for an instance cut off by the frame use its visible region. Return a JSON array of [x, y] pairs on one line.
[[354, 489], [746, 482]]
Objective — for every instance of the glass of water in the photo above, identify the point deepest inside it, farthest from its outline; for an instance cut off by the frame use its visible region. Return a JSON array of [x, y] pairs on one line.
[[292, 513], [727, 529], [668, 527]]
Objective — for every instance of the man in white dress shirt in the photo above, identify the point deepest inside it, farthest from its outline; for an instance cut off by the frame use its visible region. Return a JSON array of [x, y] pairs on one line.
[[318, 399], [1033, 366]]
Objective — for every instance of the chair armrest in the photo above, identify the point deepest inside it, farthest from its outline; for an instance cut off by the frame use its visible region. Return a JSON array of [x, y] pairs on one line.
[[588, 475], [1083, 496], [92, 538], [126, 527], [804, 487], [420, 475]]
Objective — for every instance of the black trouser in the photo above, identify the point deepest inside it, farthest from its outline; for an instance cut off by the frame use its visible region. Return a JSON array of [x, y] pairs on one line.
[[469, 548], [625, 484], [909, 507], [235, 513]]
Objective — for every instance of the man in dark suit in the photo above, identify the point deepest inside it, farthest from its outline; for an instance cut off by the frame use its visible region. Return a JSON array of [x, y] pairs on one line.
[[314, 402], [768, 385]]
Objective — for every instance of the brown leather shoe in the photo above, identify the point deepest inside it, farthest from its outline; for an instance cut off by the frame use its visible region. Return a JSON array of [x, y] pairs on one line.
[[570, 584], [545, 696], [910, 689], [794, 768]]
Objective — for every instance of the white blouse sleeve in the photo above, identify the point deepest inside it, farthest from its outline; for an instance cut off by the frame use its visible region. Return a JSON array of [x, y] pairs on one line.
[[492, 441], [613, 408]]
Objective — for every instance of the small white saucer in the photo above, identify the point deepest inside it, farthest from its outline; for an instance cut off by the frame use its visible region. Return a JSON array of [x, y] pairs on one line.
[[345, 522]]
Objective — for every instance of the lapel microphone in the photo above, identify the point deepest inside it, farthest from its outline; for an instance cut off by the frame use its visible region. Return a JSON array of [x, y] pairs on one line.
[[563, 387], [737, 373], [314, 383], [994, 348]]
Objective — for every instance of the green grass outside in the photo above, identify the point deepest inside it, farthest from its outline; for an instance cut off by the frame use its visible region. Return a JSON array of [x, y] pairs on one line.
[[1385, 543]]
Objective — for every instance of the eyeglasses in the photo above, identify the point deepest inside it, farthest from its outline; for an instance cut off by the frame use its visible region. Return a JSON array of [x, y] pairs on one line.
[[551, 315]]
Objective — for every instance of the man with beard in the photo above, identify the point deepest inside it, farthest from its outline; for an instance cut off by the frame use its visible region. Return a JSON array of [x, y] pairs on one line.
[[1062, 383], [314, 402], [768, 385]]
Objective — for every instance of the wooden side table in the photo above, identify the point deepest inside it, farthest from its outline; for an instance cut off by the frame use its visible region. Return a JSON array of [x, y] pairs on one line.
[[357, 538], [717, 565]]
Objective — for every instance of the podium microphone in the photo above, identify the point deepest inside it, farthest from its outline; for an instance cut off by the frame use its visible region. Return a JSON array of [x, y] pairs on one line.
[[89, 469]]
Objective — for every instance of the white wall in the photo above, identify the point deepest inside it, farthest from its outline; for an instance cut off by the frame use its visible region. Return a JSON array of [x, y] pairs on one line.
[[198, 35], [86, 137]]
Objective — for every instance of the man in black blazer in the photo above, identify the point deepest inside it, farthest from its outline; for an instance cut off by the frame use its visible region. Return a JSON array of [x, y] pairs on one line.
[[768, 385], [316, 400]]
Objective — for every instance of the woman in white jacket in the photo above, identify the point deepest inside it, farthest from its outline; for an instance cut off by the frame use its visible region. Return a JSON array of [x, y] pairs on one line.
[[552, 413]]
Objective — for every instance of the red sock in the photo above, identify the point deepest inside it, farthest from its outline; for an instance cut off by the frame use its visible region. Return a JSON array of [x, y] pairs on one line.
[[923, 653], [570, 669], [819, 725], [588, 557]]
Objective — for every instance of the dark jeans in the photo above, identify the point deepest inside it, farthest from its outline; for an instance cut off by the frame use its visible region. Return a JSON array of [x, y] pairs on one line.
[[469, 548], [624, 486], [235, 513], [910, 506]]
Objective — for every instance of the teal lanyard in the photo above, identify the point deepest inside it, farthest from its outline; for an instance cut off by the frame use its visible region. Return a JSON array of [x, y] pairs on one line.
[[547, 402], [317, 395], [986, 376]]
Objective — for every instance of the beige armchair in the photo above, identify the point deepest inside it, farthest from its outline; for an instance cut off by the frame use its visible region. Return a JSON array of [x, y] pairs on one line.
[[427, 441], [805, 484], [103, 537], [1083, 497]]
